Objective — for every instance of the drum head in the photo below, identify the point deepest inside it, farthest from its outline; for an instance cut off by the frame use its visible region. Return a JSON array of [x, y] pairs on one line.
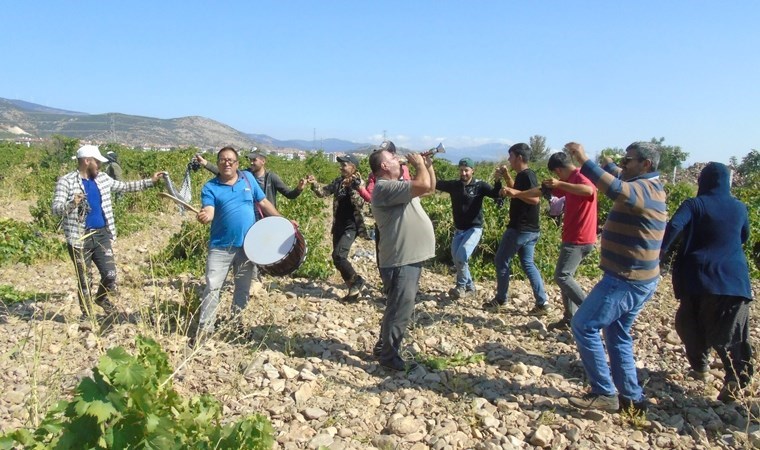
[[269, 240]]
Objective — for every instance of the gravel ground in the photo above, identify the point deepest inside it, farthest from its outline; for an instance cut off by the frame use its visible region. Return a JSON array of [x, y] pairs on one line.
[[307, 364]]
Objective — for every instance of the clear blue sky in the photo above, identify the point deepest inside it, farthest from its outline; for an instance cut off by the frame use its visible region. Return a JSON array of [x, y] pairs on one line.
[[604, 73]]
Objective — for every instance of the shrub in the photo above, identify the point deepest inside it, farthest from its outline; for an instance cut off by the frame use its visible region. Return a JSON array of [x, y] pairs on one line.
[[129, 402], [185, 252], [22, 242], [8, 295], [747, 193]]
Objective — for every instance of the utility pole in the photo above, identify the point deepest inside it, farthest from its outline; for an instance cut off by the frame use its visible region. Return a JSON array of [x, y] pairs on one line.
[[384, 134]]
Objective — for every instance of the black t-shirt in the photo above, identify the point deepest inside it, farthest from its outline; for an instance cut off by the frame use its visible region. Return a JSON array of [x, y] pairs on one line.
[[467, 200], [523, 216]]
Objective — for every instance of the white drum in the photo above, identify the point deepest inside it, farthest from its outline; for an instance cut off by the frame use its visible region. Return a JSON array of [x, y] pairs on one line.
[[275, 245]]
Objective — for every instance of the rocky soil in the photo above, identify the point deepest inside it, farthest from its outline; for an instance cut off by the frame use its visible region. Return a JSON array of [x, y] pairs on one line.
[[308, 364]]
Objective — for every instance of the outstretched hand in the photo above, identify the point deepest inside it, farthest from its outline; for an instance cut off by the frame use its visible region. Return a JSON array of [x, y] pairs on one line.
[[158, 176], [201, 160]]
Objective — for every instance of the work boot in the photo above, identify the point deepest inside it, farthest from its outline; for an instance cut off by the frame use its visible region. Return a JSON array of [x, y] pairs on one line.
[[399, 365]]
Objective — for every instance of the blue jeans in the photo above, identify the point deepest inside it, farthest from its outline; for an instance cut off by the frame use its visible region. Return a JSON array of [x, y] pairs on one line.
[[523, 244], [611, 306], [217, 266], [570, 257], [462, 245]]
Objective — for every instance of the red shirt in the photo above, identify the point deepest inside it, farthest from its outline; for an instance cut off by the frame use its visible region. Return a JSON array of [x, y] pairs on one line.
[[579, 222]]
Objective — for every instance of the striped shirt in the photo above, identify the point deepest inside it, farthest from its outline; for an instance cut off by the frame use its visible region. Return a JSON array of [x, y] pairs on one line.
[[632, 235], [71, 184]]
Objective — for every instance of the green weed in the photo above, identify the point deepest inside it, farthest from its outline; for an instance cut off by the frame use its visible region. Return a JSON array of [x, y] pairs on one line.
[[129, 402]]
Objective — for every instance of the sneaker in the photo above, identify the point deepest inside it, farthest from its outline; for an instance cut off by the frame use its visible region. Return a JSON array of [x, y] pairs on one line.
[[356, 287], [471, 289], [494, 304], [200, 336], [85, 323], [560, 325], [632, 408], [457, 293], [699, 375], [348, 298], [237, 332], [608, 403], [539, 310], [107, 306], [377, 350], [730, 392]]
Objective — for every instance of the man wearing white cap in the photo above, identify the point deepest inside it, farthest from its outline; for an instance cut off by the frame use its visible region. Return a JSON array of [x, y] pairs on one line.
[[83, 198]]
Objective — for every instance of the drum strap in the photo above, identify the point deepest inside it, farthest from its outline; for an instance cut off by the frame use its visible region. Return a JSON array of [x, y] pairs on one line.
[[255, 203]]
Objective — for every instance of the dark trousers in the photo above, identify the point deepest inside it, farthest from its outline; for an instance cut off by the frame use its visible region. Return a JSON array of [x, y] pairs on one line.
[[96, 249], [343, 239], [377, 247], [721, 322], [570, 257], [402, 284]]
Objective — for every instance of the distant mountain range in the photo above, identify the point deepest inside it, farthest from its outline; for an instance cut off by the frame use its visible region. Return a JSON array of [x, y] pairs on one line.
[[21, 119]]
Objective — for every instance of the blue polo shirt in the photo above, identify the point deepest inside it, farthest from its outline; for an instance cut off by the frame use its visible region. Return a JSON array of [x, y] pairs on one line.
[[233, 209]]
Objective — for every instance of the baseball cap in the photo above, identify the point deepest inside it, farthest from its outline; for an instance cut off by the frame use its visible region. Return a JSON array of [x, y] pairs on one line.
[[467, 162], [388, 146], [256, 154], [349, 159], [90, 151]]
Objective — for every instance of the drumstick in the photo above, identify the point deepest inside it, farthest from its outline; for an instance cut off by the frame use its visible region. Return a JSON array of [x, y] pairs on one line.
[[178, 201]]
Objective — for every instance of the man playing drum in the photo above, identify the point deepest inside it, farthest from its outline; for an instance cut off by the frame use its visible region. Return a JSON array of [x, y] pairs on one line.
[[349, 196], [228, 205], [398, 213], [269, 181]]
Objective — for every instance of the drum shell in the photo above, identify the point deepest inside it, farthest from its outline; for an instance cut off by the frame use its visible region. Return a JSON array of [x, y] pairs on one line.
[[259, 239]]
